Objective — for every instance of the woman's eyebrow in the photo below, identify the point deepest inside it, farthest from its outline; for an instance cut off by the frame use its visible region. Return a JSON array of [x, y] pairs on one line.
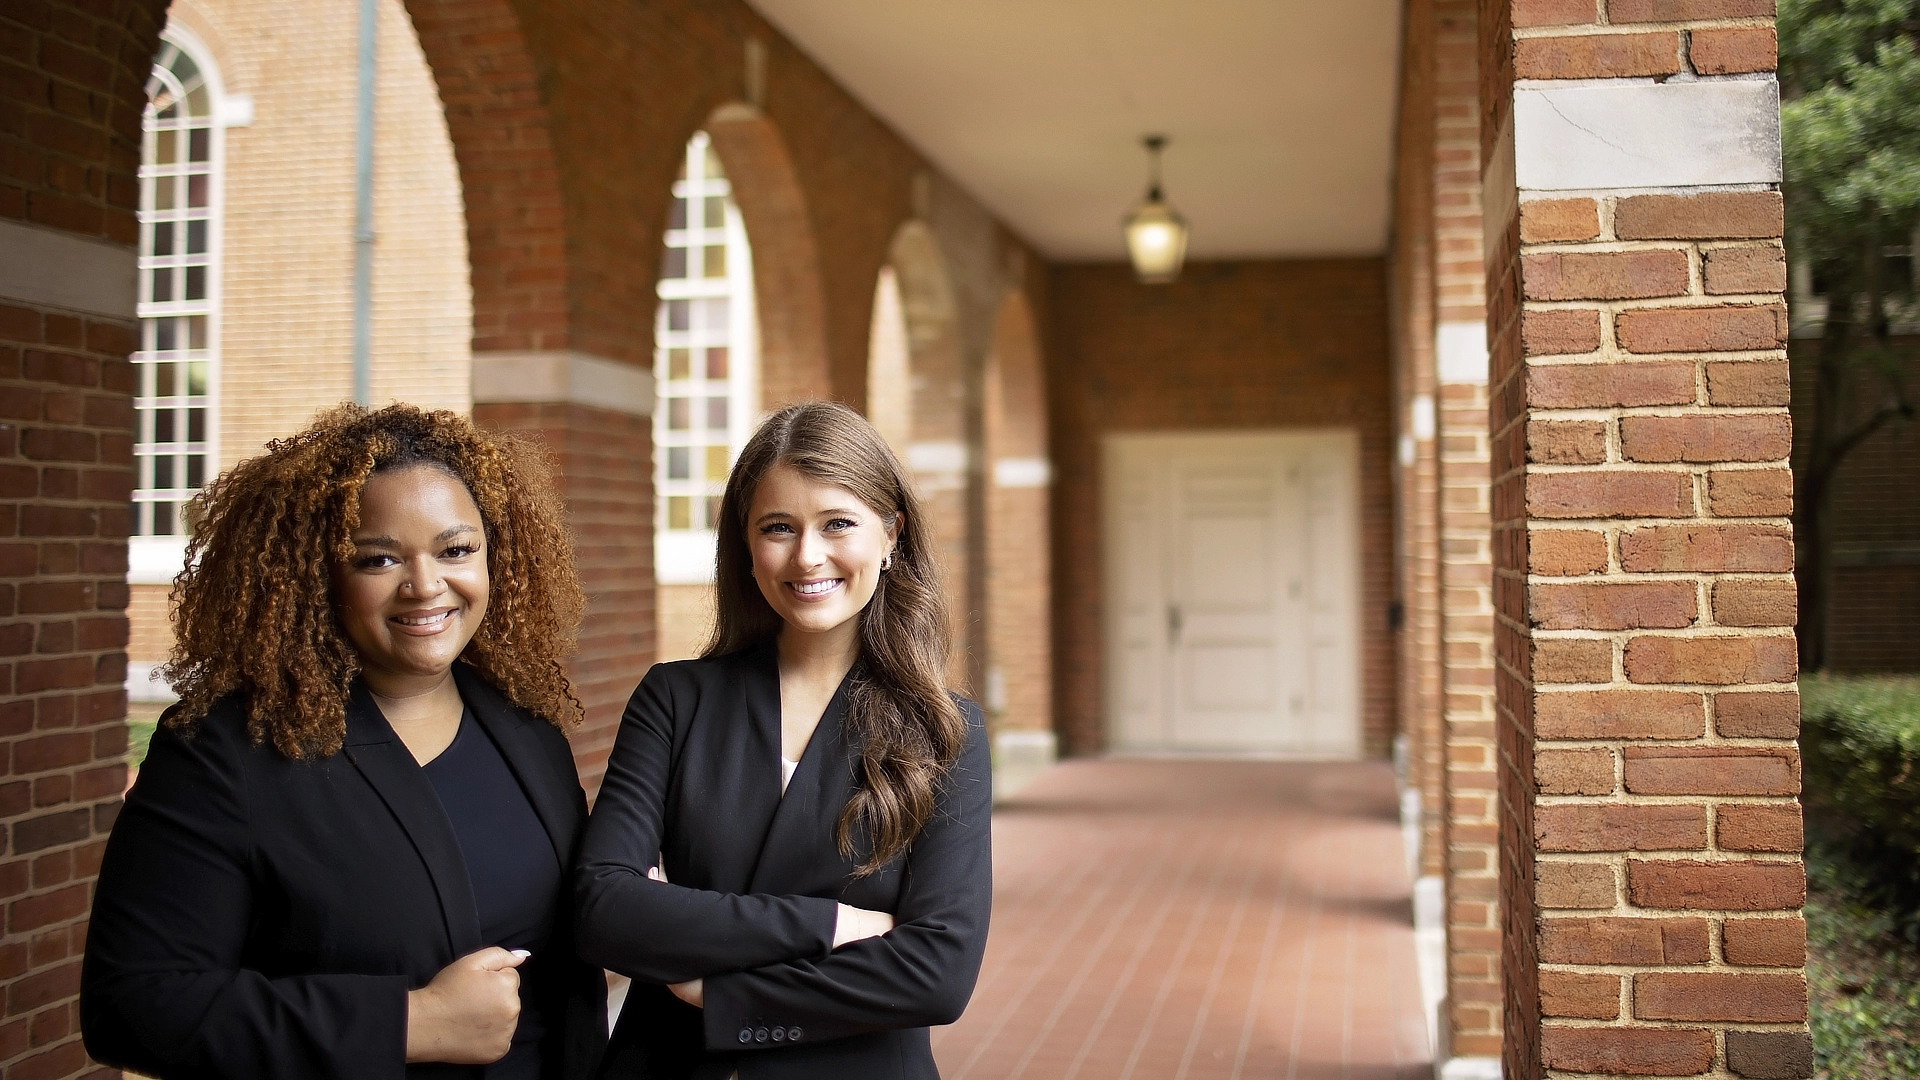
[[388, 541]]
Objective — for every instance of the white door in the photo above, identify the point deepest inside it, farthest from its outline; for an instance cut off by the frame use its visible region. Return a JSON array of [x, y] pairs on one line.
[[1233, 592]]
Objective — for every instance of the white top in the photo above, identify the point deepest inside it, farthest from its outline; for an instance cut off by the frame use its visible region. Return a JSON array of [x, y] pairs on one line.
[[786, 772]]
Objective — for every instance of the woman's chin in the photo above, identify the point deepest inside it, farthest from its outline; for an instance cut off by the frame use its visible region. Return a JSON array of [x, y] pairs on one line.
[[812, 620]]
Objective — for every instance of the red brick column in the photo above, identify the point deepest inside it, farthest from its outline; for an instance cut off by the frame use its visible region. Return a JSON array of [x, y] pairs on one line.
[[1018, 690], [1643, 564], [944, 452], [66, 452], [1466, 555], [1416, 477], [595, 417], [70, 108]]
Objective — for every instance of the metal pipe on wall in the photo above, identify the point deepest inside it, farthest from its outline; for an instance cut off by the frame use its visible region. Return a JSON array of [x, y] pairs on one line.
[[363, 207]]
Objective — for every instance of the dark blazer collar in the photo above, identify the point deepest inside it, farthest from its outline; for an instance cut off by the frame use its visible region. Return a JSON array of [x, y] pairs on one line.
[[390, 769], [550, 783], [802, 837]]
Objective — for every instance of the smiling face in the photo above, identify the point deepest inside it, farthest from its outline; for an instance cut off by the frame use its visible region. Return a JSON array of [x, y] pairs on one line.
[[416, 589], [816, 550]]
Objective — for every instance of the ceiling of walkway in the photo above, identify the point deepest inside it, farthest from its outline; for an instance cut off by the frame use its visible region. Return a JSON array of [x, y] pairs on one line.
[[1280, 112]]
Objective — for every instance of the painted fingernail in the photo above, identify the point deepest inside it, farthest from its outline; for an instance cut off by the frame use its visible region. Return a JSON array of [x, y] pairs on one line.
[[523, 953]]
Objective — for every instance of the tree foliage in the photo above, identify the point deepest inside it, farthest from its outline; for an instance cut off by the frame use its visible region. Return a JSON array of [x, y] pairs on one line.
[[1851, 122], [1850, 79]]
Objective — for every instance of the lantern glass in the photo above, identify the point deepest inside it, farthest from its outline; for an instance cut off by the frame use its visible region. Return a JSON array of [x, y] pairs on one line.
[[1156, 241]]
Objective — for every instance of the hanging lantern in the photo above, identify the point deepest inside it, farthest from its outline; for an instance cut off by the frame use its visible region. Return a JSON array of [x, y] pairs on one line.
[[1156, 234]]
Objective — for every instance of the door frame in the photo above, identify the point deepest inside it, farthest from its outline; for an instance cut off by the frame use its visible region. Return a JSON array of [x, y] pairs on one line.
[[1112, 509]]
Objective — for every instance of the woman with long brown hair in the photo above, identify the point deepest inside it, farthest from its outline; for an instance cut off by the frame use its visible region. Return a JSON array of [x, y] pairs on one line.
[[346, 853], [790, 851]]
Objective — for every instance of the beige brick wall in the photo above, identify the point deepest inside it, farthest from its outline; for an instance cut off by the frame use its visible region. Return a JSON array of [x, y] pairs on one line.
[[287, 246], [685, 618], [150, 638], [287, 251]]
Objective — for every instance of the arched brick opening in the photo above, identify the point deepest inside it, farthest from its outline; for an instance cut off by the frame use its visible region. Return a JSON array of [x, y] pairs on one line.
[[502, 139], [940, 450], [786, 261], [586, 395], [1018, 687]]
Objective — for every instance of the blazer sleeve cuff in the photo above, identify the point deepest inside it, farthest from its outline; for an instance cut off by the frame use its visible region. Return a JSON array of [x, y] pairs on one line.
[[735, 1023]]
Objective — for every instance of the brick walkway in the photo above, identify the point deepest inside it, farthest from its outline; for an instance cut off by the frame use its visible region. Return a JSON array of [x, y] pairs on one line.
[[1156, 920]]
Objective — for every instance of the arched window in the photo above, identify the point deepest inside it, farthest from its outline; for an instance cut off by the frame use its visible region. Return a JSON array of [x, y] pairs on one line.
[[889, 366], [176, 364], [706, 362]]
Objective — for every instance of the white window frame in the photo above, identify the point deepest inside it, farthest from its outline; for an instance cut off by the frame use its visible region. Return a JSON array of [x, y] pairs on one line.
[[685, 556], [157, 558]]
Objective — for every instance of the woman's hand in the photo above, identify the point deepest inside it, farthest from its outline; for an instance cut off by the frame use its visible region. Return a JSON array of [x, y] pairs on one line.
[[854, 924], [467, 1014]]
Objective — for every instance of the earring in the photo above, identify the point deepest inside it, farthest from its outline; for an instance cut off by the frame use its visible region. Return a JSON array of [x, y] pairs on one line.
[[887, 563]]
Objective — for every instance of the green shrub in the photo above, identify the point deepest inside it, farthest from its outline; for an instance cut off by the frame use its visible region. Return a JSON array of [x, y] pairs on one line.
[[1860, 740]]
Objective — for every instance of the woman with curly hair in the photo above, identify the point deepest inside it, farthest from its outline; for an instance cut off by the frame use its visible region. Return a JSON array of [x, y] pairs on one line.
[[790, 853], [345, 854]]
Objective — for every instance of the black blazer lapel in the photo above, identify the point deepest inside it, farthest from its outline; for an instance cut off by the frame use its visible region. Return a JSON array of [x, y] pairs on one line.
[[553, 788], [801, 850], [389, 767], [750, 774]]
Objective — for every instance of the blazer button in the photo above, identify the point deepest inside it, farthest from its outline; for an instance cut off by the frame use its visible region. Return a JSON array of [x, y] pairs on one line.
[[746, 1035], [793, 1034], [760, 1035]]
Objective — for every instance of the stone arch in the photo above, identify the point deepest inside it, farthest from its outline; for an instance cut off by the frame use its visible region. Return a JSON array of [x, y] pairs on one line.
[[941, 448], [1018, 656], [509, 178], [786, 261]]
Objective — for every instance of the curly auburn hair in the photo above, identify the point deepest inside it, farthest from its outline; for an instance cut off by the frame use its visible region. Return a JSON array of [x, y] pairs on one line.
[[254, 608]]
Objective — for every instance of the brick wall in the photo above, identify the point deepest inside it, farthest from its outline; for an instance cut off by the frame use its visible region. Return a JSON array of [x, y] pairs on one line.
[[1019, 564], [66, 456], [75, 93], [1445, 532], [684, 622], [606, 473], [1649, 831], [1416, 473], [1230, 345], [1466, 555], [71, 94], [287, 220], [564, 174]]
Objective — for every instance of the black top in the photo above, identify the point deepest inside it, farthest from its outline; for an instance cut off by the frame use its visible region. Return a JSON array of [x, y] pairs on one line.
[[258, 916], [512, 865], [694, 783]]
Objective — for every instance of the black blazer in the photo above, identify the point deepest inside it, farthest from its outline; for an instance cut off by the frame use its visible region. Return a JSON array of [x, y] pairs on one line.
[[262, 917], [694, 782]]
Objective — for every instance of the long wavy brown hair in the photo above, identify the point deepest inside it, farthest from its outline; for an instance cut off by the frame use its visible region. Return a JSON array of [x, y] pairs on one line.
[[254, 609], [901, 720]]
